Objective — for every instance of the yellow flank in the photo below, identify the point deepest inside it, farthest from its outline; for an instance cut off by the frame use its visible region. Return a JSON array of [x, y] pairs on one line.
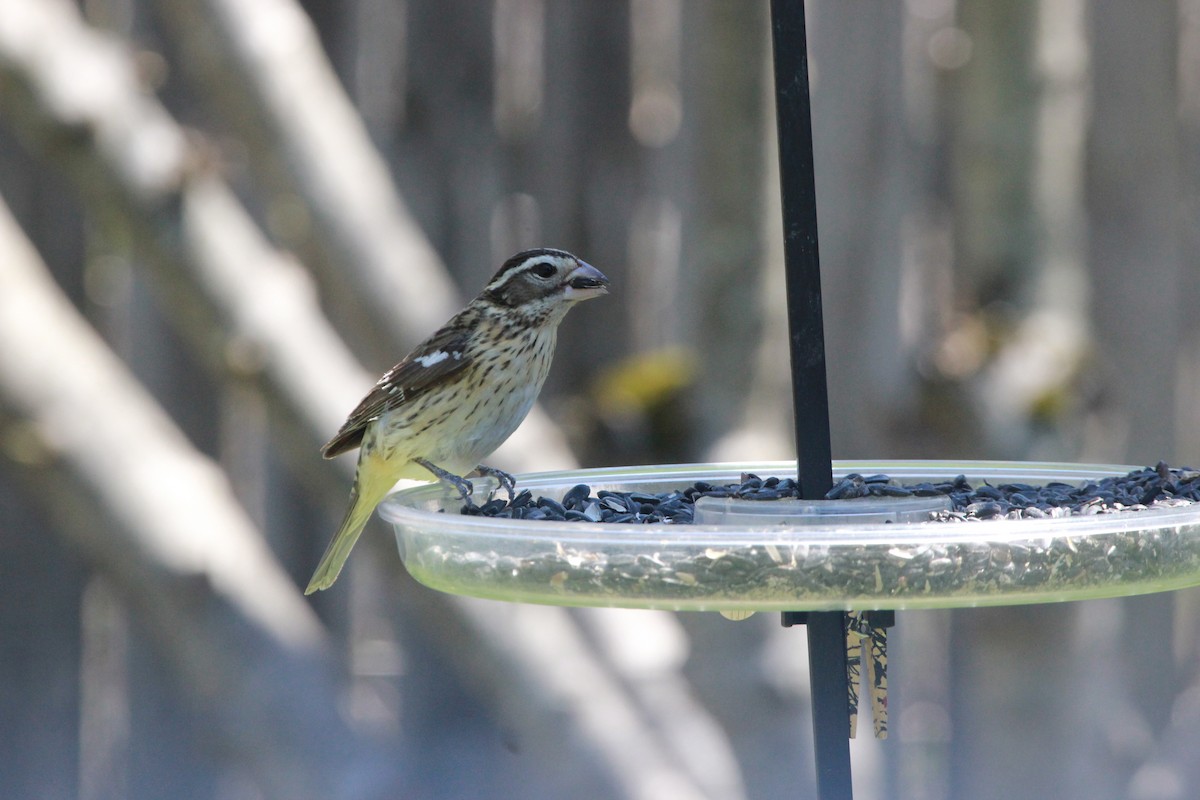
[[375, 477]]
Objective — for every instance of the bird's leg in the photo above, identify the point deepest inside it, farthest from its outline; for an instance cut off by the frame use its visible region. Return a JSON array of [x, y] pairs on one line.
[[464, 486], [506, 480]]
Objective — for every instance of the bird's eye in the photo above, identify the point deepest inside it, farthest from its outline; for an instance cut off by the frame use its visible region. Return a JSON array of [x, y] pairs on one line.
[[543, 269]]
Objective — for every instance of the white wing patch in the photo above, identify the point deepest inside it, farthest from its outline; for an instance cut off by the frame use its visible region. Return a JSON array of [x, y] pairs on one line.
[[430, 359]]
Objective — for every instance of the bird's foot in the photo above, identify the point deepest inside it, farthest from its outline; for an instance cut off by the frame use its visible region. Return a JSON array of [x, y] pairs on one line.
[[506, 480], [464, 486]]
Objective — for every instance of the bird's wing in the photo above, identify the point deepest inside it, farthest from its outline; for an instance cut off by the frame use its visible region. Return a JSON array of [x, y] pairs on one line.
[[432, 362]]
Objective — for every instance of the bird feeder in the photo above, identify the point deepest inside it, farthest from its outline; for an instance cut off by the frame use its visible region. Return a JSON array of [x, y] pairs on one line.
[[800, 557]]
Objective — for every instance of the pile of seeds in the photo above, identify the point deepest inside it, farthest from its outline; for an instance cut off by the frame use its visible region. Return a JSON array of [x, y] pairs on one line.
[[775, 572], [1136, 491]]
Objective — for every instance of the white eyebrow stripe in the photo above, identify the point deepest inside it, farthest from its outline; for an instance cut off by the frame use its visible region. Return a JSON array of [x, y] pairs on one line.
[[506, 277], [547, 257]]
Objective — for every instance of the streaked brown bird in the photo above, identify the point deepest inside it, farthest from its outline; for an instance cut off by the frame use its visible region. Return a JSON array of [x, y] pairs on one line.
[[456, 397]]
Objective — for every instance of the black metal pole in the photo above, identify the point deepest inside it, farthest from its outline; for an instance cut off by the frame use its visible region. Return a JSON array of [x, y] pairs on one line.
[[831, 718], [793, 112], [810, 397]]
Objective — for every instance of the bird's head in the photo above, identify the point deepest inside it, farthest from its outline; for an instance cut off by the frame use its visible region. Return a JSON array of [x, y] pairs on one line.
[[543, 281]]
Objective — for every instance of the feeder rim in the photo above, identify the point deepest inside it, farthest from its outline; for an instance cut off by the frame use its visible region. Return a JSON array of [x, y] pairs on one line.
[[417, 506]]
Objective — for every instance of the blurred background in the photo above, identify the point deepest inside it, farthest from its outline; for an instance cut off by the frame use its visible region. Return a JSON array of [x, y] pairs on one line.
[[221, 220]]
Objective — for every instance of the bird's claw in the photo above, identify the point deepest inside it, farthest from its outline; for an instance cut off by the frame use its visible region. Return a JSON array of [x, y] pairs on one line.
[[507, 481], [464, 486]]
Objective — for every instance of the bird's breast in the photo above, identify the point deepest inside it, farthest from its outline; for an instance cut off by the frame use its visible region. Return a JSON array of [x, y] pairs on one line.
[[461, 422]]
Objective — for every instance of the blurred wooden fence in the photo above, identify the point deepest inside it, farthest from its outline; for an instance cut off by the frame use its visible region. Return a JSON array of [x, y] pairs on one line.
[[1009, 206]]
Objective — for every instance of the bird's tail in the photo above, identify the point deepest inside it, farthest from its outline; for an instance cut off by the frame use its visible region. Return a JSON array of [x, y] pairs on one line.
[[369, 489]]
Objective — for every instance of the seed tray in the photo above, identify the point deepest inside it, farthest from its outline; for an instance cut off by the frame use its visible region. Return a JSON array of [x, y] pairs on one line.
[[984, 551]]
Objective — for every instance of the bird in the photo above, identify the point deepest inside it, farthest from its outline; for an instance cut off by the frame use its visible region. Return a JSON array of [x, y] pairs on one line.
[[458, 395]]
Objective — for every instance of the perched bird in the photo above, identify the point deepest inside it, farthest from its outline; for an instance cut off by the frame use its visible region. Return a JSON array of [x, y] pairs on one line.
[[456, 397]]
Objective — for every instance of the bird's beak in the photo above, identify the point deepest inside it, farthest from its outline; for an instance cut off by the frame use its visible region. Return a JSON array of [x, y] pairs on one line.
[[585, 282]]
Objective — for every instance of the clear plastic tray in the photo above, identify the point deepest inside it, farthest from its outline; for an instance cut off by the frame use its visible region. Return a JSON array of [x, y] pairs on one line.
[[765, 567]]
